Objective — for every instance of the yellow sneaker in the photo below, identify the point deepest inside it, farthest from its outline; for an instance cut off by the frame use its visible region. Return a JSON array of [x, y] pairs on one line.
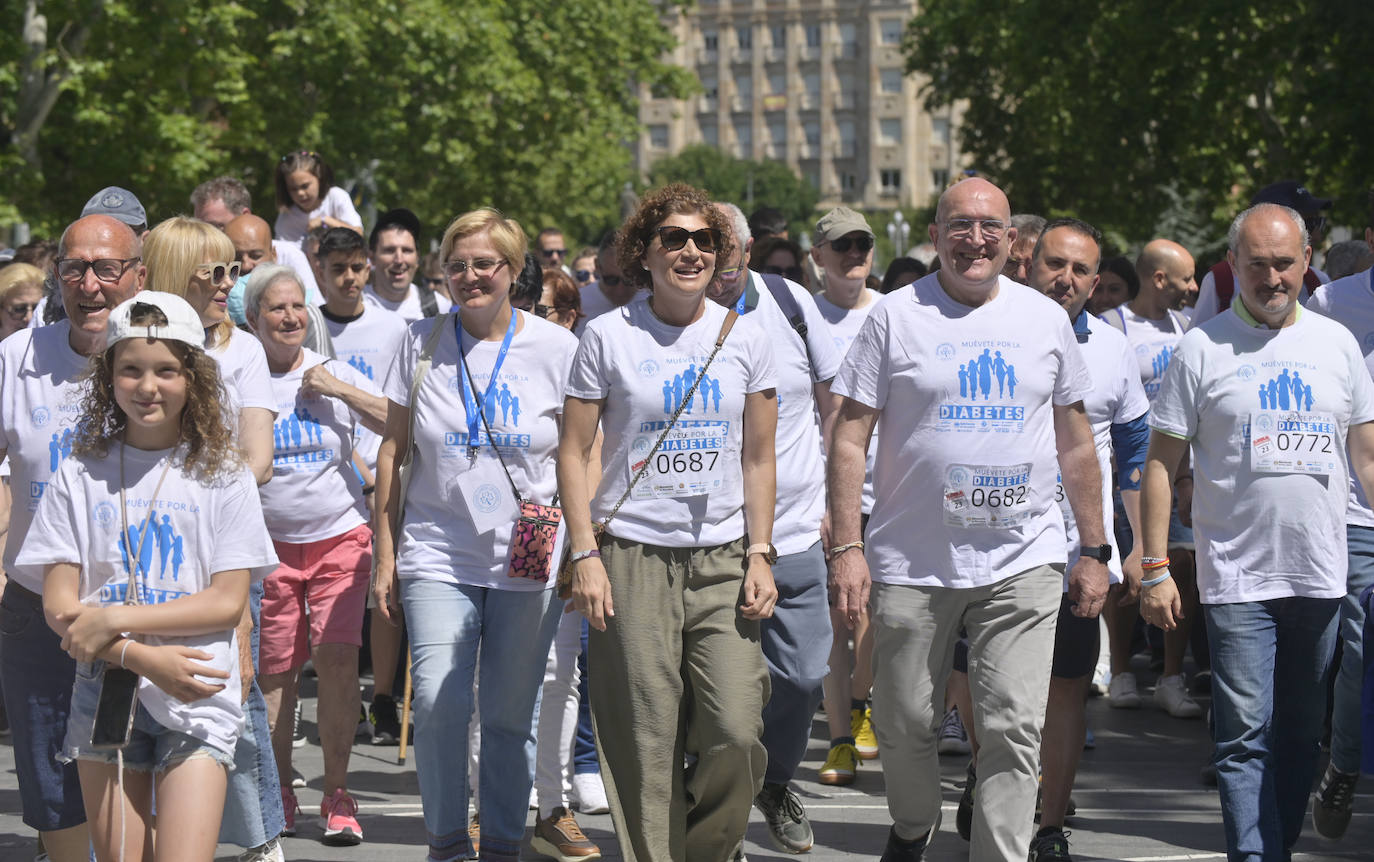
[[861, 728], [840, 765]]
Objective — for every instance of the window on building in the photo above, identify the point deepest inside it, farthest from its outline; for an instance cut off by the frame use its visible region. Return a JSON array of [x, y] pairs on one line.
[[710, 134], [658, 137], [939, 178], [777, 136], [849, 182], [777, 83], [890, 181], [890, 81], [939, 128], [778, 37], [812, 130], [744, 90], [744, 139], [812, 82], [847, 145], [890, 131], [849, 41], [813, 35], [710, 88], [744, 37], [710, 41], [890, 31]]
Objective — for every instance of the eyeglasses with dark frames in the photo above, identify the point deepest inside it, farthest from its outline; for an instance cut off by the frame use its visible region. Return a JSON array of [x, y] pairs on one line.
[[107, 269]]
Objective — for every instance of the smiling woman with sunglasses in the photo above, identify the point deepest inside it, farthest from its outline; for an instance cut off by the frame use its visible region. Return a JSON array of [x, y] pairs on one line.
[[673, 589], [195, 260]]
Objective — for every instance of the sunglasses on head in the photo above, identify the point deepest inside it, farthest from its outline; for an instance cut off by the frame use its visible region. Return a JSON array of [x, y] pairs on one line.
[[217, 271], [706, 239], [863, 242]]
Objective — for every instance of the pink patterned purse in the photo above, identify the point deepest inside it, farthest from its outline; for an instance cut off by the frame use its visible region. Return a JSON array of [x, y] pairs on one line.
[[534, 540]]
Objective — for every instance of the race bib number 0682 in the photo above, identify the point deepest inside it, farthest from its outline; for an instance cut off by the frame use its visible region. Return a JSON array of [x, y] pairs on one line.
[[978, 495]]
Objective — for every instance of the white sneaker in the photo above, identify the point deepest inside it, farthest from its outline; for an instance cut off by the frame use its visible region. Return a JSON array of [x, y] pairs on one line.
[[589, 793], [1122, 693], [269, 852], [1102, 679], [1171, 695]]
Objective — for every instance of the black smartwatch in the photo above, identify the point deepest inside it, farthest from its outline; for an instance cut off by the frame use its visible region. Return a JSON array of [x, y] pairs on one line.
[[1101, 553]]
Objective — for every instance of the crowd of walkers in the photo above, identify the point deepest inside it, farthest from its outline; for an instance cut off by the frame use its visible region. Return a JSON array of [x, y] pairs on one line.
[[610, 525]]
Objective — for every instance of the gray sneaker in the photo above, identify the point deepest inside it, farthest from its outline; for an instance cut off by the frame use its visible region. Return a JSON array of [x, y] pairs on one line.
[[1331, 806], [787, 823]]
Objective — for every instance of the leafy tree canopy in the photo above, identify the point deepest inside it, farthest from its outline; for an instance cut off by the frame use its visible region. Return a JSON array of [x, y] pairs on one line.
[[747, 184], [1118, 111], [441, 105]]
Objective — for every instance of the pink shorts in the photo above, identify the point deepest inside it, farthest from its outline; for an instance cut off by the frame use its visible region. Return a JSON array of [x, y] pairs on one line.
[[329, 579]]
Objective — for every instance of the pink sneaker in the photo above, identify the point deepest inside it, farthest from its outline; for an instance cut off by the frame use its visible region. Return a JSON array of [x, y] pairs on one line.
[[338, 811], [290, 807]]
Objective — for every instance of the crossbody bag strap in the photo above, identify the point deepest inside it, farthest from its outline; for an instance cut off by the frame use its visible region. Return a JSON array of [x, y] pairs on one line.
[[422, 365], [730, 317]]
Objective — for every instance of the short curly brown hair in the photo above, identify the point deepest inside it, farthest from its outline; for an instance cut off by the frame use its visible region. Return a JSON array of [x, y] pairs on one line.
[[673, 199]]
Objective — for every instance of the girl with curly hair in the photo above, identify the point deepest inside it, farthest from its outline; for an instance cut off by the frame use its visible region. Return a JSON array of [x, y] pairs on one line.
[[147, 537], [670, 583]]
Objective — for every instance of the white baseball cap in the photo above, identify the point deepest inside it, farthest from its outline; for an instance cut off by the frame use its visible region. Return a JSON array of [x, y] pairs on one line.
[[183, 324]]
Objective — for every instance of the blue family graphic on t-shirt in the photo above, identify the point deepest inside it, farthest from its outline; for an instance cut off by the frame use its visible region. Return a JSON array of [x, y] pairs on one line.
[[1161, 362], [298, 427], [977, 375], [361, 365], [162, 540], [58, 448], [1285, 392], [679, 386]]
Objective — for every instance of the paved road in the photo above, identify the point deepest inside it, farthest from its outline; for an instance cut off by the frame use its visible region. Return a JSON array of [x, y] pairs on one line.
[[1138, 794]]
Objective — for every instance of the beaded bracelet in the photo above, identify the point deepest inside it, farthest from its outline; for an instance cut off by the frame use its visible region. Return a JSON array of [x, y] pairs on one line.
[[1159, 580]]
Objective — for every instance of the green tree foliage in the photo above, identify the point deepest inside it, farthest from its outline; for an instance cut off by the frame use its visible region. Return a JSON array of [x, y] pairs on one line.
[[747, 184], [1114, 111], [444, 104]]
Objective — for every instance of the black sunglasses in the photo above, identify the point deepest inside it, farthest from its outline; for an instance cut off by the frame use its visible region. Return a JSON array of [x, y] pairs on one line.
[[862, 242], [706, 239], [611, 280]]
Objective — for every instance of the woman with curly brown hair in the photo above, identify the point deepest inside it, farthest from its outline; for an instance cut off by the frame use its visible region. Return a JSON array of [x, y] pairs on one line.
[[149, 536], [672, 587]]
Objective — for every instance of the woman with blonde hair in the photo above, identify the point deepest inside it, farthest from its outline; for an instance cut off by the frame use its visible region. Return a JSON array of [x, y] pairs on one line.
[[21, 287], [475, 399], [193, 259]]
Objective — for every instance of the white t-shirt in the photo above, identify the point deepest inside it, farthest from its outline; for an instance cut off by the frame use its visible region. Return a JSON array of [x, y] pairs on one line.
[[293, 223], [368, 342], [1350, 302], [594, 304], [409, 309], [40, 403], [800, 452], [439, 540], [1266, 535], [314, 493], [965, 478], [844, 325], [1152, 341], [290, 254], [243, 369], [1116, 398], [197, 530], [643, 368]]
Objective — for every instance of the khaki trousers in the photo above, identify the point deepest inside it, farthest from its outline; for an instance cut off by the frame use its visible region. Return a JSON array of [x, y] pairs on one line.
[[678, 674]]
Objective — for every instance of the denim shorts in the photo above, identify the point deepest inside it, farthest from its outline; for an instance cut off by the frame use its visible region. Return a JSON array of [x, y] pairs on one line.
[[1180, 536], [37, 677], [151, 748]]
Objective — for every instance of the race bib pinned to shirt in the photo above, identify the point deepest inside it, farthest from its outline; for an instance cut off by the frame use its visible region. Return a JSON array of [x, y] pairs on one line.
[[487, 493], [690, 463], [980, 495], [1294, 442]]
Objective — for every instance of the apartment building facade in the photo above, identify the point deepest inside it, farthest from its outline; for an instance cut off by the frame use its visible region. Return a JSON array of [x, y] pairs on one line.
[[818, 84]]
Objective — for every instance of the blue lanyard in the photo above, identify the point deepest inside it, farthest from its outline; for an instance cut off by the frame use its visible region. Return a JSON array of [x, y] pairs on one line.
[[474, 410]]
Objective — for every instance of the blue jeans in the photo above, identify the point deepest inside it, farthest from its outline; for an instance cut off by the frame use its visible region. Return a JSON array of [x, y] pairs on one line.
[[452, 628], [796, 646], [38, 678], [1345, 708], [1367, 601], [584, 744], [253, 812], [1266, 748]]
